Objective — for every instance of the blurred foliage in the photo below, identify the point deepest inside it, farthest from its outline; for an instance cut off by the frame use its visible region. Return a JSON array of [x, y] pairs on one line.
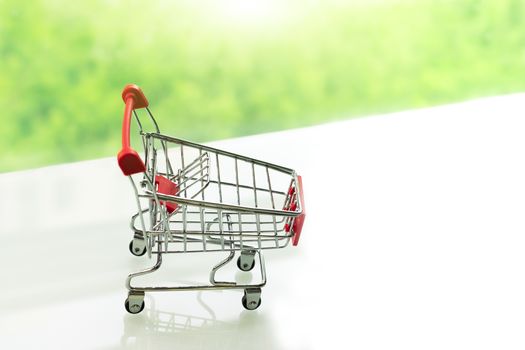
[[211, 72]]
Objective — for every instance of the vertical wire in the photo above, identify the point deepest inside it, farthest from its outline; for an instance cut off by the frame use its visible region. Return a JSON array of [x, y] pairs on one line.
[[221, 231], [257, 217], [273, 205], [168, 167], [219, 177], [219, 212], [140, 128], [202, 209], [238, 200], [184, 226], [202, 229], [182, 166]]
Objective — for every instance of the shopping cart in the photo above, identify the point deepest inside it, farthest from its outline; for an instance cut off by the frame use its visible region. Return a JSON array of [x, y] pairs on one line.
[[195, 198]]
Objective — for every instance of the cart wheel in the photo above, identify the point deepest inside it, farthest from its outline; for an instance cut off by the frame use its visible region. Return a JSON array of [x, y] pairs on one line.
[[252, 298], [134, 308], [245, 266], [136, 251], [246, 260]]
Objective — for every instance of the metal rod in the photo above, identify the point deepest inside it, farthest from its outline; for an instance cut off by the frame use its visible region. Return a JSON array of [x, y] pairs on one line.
[[218, 177], [238, 199], [273, 204], [222, 206], [221, 152]]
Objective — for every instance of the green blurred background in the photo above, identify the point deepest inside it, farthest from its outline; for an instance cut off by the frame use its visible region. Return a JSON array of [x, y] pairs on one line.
[[224, 68]]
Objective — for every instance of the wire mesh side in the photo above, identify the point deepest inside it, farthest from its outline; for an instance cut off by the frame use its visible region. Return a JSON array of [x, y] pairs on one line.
[[223, 178]]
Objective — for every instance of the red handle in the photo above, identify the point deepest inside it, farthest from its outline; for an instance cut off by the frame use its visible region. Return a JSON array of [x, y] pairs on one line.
[[129, 160]]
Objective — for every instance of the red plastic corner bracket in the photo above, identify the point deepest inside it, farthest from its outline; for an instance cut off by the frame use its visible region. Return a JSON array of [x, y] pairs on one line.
[[130, 162], [297, 226], [133, 91], [298, 221]]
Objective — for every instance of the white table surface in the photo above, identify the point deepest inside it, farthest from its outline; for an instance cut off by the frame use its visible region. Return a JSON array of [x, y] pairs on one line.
[[414, 239]]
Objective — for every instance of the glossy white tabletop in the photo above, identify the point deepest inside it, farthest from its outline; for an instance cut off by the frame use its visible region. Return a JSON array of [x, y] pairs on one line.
[[414, 239]]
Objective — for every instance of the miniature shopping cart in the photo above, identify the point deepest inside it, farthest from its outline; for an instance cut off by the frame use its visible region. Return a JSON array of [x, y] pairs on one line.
[[195, 198]]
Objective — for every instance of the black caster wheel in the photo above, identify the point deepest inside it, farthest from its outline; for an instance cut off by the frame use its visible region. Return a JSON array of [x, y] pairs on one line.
[[136, 251], [251, 299], [134, 308], [245, 266], [252, 305]]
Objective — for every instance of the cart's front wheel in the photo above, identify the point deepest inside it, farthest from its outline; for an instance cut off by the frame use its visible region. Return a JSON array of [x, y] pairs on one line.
[[252, 298], [134, 305], [136, 250]]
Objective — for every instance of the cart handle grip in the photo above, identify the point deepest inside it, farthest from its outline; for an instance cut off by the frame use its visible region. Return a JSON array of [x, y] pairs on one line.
[[129, 160]]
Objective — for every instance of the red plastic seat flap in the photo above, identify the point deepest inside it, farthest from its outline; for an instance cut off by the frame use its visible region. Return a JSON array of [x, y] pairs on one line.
[[167, 187]]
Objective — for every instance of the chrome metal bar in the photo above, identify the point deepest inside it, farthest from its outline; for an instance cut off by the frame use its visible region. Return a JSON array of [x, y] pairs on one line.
[[238, 198], [162, 211], [166, 159], [169, 168], [254, 185], [217, 267], [144, 272], [182, 164], [270, 233], [231, 184], [153, 120], [221, 152], [143, 235], [184, 226], [185, 188], [157, 265], [273, 204], [141, 131], [202, 230], [218, 177], [257, 217], [221, 233], [192, 213], [222, 206], [195, 163], [137, 119]]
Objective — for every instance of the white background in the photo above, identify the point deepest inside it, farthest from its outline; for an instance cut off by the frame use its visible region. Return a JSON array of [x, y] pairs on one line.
[[414, 239]]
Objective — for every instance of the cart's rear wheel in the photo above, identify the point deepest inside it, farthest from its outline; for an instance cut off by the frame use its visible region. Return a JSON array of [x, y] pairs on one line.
[[246, 260], [136, 251], [134, 308], [252, 298]]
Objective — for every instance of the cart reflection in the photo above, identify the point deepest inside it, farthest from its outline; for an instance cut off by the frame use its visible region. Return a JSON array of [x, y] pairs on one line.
[[156, 329]]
